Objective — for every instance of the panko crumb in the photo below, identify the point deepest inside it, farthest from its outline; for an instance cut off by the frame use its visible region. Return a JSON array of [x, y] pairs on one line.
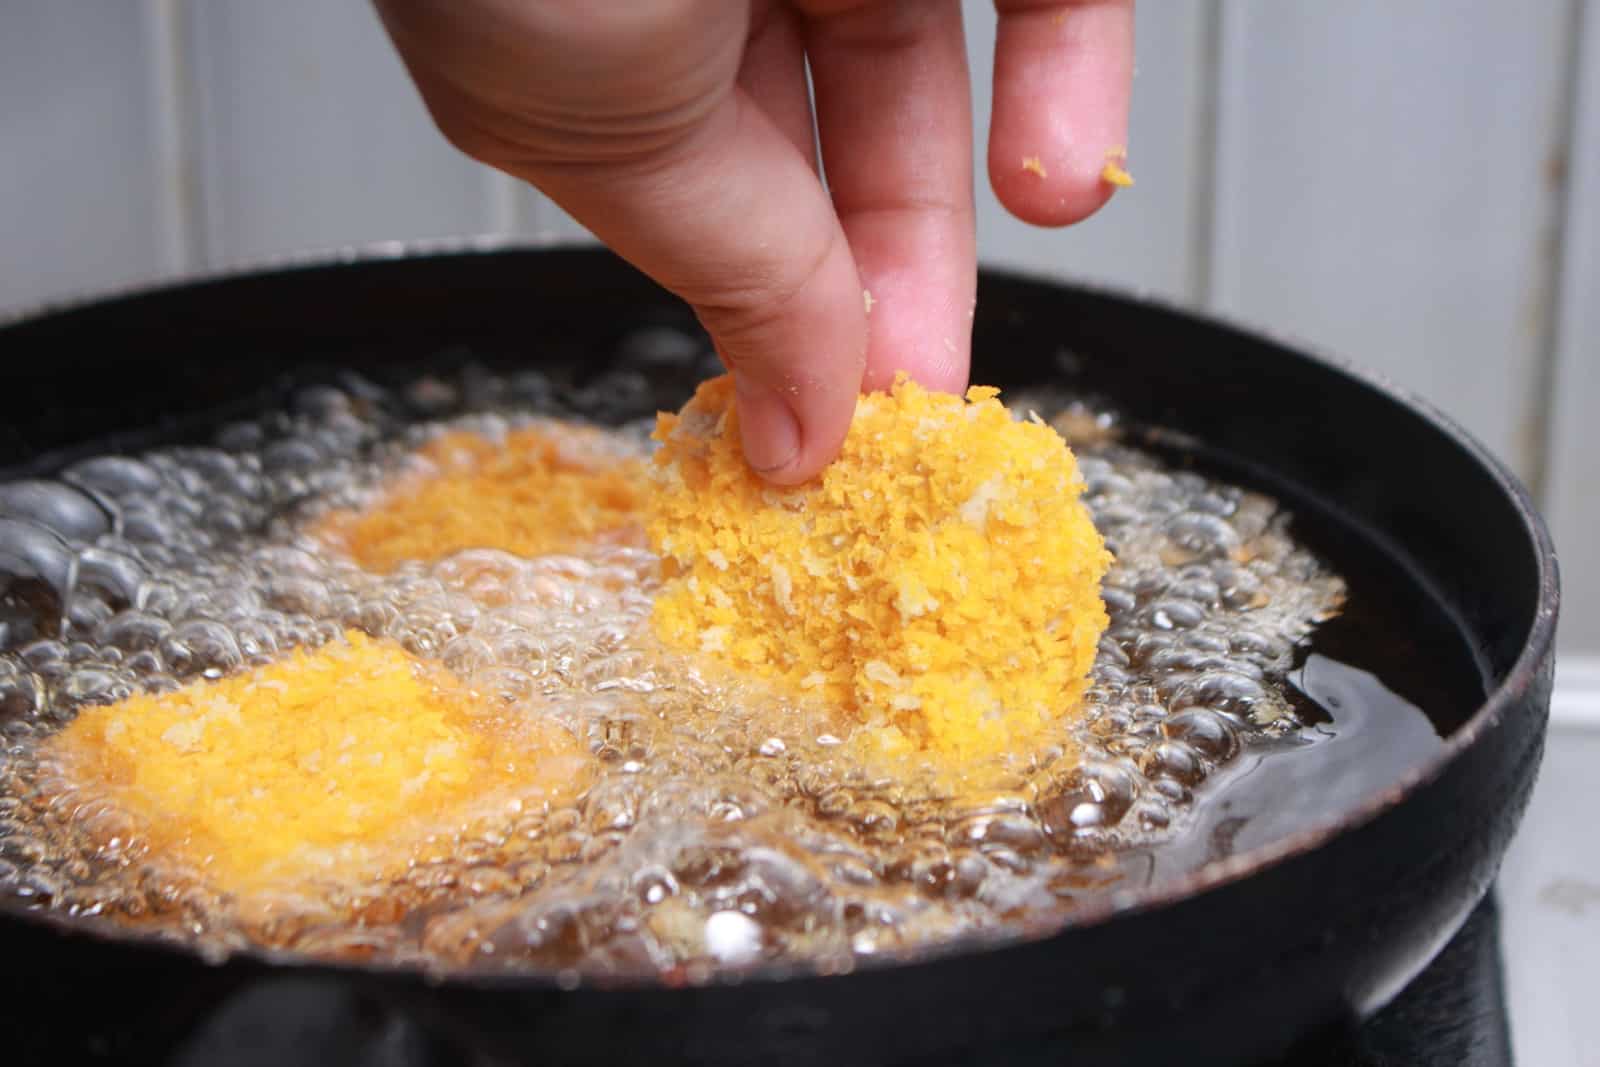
[[532, 493], [940, 581], [1115, 172], [338, 761], [1034, 165]]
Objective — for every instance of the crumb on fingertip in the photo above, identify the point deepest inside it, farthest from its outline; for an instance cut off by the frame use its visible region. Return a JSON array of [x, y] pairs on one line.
[[1033, 165], [1115, 172], [867, 300]]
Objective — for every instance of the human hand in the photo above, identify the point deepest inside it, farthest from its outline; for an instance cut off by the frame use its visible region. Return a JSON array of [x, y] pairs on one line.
[[680, 133]]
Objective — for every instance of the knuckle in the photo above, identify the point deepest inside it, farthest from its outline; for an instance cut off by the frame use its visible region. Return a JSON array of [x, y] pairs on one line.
[[572, 82], [747, 309], [470, 139]]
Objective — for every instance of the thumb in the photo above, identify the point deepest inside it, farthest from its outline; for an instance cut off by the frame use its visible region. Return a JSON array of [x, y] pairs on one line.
[[733, 219], [640, 130]]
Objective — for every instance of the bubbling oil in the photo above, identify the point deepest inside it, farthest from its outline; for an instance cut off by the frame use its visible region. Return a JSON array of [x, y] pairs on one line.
[[727, 825]]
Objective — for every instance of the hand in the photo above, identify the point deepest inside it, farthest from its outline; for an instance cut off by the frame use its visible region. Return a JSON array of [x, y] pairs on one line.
[[680, 133]]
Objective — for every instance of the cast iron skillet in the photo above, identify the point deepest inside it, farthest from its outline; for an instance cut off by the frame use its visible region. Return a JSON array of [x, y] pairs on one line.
[[1226, 967]]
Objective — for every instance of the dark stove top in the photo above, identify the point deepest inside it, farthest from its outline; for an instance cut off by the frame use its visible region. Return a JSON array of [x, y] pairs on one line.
[[1453, 1014]]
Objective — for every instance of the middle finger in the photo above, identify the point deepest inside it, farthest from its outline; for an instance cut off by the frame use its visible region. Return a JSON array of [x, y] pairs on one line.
[[894, 116]]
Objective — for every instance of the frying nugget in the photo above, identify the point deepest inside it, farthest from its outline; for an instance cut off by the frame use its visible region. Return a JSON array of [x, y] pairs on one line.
[[940, 579]]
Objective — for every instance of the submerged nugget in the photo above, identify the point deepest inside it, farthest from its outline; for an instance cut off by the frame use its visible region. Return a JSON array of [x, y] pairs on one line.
[[941, 579], [531, 494], [335, 762]]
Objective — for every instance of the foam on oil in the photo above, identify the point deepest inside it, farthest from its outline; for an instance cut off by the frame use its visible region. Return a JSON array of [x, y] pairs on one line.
[[726, 825]]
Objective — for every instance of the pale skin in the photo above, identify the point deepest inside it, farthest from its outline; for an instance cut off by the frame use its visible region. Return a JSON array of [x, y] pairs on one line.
[[680, 133]]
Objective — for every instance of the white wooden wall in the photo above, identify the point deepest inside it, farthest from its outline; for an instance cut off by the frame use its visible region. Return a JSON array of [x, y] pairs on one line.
[[85, 183], [1411, 183], [1573, 475]]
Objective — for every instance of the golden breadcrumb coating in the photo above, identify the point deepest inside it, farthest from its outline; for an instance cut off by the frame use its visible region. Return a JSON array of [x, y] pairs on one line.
[[333, 762], [940, 579], [531, 494]]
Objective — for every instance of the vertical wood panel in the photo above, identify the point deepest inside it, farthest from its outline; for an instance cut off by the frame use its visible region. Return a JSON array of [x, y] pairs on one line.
[[1385, 186], [1143, 237], [1574, 476], [311, 135], [79, 177], [168, 73]]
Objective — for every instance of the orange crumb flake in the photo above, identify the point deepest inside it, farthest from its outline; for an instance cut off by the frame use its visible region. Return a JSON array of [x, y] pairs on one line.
[[334, 763], [940, 579], [531, 494], [1115, 171], [1033, 165]]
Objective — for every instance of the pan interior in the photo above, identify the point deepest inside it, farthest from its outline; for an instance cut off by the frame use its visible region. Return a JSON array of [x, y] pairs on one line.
[[1365, 704], [1381, 685]]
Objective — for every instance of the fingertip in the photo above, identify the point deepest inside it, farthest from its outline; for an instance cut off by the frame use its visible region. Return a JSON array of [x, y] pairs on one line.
[[768, 428], [1062, 79], [797, 375], [778, 447], [1050, 188], [928, 341], [797, 472]]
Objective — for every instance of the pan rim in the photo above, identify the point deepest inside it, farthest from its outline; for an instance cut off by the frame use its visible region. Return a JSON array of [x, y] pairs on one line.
[[1504, 694]]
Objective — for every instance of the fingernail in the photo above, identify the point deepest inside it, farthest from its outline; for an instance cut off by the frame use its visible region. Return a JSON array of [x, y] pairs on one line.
[[770, 431]]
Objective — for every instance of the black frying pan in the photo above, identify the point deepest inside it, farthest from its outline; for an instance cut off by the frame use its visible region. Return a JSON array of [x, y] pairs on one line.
[[1228, 966]]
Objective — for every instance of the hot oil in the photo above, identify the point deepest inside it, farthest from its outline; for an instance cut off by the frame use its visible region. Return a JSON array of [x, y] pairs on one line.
[[1376, 692], [726, 825]]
